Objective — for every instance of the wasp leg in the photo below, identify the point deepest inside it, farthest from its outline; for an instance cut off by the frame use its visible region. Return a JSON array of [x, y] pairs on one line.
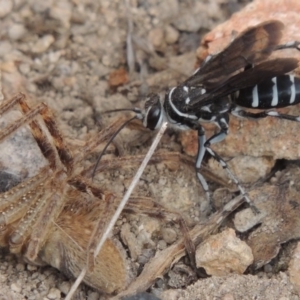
[[239, 112], [216, 138], [200, 155], [292, 44]]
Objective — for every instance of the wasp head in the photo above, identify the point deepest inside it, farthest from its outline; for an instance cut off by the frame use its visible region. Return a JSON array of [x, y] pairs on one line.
[[152, 115]]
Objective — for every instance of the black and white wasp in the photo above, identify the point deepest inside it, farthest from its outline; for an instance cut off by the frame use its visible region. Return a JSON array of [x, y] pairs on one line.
[[241, 76]]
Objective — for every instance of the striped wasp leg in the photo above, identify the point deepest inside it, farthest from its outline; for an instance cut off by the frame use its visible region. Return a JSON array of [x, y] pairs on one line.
[[200, 155], [204, 146], [292, 44], [239, 112]]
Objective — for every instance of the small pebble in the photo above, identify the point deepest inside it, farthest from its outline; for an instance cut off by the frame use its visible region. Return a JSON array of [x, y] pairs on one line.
[[162, 245], [228, 296], [171, 35], [93, 296], [5, 7], [224, 253], [24, 68], [16, 32], [64, 287], [20, 267], [43, 44], [54, 294], [35, 275], [169, 235], [268, 268], [156, 37], [41, 6], [31, 268], [5, 48], [15, 288]]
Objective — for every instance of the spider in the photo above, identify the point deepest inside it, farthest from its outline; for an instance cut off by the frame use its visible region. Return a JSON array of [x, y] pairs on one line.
[[52, 217]]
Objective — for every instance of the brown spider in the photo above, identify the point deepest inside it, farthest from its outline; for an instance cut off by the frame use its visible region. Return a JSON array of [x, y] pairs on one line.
[[54, 216]]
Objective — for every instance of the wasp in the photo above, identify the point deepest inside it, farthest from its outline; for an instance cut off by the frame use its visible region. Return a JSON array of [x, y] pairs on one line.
[[239, 77]]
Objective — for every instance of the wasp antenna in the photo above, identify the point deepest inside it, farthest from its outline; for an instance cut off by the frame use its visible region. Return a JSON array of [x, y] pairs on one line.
[[135, 110], [109, 142]]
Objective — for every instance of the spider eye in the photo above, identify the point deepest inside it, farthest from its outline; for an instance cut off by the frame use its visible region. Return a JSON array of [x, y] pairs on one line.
[[153, 116]]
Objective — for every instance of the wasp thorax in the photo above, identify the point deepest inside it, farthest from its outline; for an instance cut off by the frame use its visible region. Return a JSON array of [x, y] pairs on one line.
[[153, 112]]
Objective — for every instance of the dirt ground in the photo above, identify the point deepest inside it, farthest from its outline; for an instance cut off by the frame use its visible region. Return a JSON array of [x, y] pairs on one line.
[[73, 56]]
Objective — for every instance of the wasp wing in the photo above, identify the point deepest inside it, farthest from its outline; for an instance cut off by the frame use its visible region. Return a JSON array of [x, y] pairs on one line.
[[253, 45], [248, 78]]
